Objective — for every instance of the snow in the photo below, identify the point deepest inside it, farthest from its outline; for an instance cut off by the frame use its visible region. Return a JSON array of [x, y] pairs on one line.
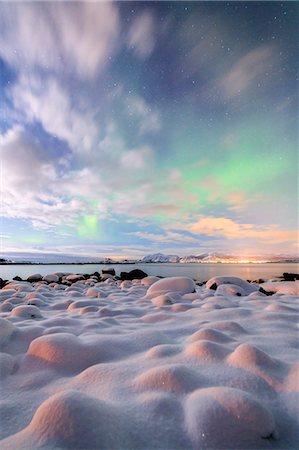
[[235, 281], [149, 364], [282, 287]]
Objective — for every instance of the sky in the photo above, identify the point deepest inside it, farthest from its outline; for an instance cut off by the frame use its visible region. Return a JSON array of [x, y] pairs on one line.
[[128, 128]]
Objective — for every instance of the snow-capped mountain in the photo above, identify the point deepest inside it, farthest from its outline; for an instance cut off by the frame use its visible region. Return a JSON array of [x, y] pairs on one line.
[[160, 258], [214, 258]]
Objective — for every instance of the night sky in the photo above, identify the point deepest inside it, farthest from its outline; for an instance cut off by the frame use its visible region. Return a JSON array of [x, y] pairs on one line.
[[135, 127]]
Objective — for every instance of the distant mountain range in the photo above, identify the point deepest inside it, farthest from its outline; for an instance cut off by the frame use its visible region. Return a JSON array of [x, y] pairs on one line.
[[48, 258], [215, 258]]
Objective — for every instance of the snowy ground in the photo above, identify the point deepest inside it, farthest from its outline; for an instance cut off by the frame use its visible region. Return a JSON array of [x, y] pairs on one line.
[[149, 365]]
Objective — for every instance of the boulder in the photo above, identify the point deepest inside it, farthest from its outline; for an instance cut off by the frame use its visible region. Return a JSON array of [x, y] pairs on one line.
[[182, 285], [109, 271], [290, 276], [17, 278], [74, 277], [51, 278], [135, 274], [35, 277], [214, 282]]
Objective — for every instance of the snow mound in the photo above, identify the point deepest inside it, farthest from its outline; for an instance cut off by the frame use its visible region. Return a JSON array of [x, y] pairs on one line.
[[148, 281], [209, 334], [230, 289], [214, 282], [163, 300], [63, 351], [6, 293], [207, 351], [229, 326], [246, 355], [75, 420], [282, 287], [222, 418], [26, 312], [182, 285], [173, 378]]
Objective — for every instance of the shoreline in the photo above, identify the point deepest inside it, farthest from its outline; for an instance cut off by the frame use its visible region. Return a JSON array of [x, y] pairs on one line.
[[137, 262]]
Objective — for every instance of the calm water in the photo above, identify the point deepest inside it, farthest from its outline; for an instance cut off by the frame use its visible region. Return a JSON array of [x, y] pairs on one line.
[[200, 272]]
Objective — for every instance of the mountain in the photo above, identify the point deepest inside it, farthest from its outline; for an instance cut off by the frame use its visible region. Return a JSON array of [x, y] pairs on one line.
[[160, 258], [217, 258], [53, 258]]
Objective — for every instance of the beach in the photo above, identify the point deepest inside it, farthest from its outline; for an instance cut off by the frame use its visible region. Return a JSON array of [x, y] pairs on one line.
[[148, 363]]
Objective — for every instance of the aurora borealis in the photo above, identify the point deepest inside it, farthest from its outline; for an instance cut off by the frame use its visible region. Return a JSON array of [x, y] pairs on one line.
[[134, 127]]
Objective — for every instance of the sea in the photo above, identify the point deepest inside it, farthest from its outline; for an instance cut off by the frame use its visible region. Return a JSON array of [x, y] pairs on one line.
[[198, 272]]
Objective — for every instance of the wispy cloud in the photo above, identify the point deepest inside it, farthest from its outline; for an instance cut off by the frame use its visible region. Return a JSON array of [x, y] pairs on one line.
[[148, 117], [229, 229], [141, 36], [68, 37], [45, 101], [247, 70], [167, 237]]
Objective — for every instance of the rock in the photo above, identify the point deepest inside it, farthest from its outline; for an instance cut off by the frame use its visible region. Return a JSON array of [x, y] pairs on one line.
[[35, 277], [51, 278], [17, 278], [2, 283], [109, 271], [135, 274], [182, 285], [290, 276], [74, 277], [148, 281], [106, 276], [214, 282], [229, 290], [281, 287]]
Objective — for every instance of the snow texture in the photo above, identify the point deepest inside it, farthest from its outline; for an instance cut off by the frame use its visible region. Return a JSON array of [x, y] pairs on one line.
[[148, 364]]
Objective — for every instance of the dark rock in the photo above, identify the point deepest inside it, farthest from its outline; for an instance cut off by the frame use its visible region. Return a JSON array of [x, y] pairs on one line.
[[290, 276], [135, 274], [109, 271], [96, 274], [86, 276], [17, 278], [2, 283], [258, 281], [265, 292], [214, 286]]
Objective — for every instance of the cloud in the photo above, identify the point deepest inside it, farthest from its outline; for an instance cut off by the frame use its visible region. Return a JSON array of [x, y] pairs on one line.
[[248, 69], [45, 101], [137, 159], [141, 35], [167, 237], [64, 37], [149, 118], [227, 228], [30, 183]]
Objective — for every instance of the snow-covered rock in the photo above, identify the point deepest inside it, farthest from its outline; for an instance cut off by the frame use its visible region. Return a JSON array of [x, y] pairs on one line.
[[214, 282], [51, 278], [183, 285]]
